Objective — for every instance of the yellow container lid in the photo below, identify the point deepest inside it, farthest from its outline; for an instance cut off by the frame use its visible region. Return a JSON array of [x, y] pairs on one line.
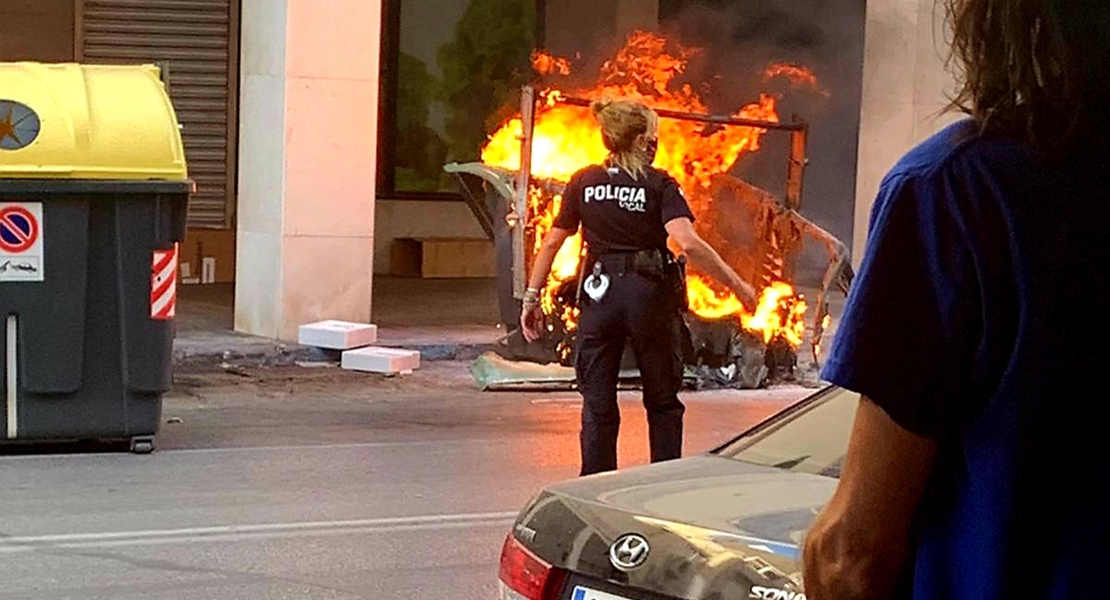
[[70, 121]]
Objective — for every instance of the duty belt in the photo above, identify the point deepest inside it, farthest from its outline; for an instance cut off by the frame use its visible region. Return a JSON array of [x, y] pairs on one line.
[[656, 264], [649, 263]]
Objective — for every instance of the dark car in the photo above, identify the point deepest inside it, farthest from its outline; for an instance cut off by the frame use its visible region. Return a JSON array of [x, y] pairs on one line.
[[725, 525]]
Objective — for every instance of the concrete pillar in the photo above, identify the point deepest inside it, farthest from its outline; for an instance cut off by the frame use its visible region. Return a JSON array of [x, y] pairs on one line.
[[308, 139], [905, 90]]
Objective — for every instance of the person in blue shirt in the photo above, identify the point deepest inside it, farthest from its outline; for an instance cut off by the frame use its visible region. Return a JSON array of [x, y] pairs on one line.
[[978, 466]]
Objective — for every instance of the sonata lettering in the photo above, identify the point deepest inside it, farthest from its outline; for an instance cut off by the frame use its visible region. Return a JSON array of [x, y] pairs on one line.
[[766, 593]]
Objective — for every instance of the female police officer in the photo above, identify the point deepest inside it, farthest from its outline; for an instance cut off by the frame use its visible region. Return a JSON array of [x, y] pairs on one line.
[[632, 287]]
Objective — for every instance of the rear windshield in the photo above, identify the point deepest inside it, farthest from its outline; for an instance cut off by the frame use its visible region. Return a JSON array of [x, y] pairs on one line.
[[809, 437]]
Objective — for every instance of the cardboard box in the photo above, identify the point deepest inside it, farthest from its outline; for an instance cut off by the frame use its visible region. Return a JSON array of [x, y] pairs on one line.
[[443, 258], [215, 245]]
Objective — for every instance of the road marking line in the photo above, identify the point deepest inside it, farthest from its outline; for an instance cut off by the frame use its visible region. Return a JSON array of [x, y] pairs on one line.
[[245, 537], [236, 532], [352, 446]]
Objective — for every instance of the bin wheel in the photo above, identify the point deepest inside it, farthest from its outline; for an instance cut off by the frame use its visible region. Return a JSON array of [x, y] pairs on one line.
[[142, 445]]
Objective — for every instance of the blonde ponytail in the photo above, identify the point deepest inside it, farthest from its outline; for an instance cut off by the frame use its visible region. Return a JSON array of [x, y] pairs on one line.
[[622, 122]]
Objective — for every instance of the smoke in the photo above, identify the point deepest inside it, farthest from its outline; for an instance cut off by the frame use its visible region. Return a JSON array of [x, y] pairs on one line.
[[740, 40]]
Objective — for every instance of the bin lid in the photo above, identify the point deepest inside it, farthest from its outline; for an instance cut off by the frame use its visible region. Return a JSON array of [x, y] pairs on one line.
[[71, 121]]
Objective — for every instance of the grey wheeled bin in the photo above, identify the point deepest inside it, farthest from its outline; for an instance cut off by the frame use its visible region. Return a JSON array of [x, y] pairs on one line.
[[93, 198]]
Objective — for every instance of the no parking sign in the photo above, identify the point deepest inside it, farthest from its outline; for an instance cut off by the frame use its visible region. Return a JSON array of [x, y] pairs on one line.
[[21, 236]]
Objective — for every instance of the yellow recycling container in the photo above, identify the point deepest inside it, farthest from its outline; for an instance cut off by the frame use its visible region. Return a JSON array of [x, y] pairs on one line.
[[94, 192], [94, 122]]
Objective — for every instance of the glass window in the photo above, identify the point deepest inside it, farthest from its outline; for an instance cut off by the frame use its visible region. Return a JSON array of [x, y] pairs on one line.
[[457, 65], [809, 437]]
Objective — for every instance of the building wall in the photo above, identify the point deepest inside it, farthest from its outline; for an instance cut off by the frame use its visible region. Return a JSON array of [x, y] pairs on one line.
[[423, 219], [37, 30], [905, 90], [572, 26]]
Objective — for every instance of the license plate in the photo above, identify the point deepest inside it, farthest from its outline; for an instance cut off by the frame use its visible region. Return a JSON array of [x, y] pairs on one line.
[[585, 593]]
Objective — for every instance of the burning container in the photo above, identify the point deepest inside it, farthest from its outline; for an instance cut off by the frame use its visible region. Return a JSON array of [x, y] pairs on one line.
[[517, 188]]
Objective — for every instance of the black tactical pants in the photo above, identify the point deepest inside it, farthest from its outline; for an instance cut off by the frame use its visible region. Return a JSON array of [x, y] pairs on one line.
[[643, 310]]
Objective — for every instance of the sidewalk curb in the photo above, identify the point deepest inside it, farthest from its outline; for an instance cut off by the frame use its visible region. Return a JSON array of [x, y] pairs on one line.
[[278, 354]]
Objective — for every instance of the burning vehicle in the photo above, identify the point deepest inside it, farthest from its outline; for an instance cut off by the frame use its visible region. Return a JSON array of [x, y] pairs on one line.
[[516, 191]]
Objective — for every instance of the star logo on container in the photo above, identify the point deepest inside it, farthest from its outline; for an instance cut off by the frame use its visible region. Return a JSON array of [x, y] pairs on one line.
[[19, 125], [7, 128]]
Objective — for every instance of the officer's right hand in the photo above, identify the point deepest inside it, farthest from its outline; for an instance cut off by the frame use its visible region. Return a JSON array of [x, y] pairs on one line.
[[532, 323]]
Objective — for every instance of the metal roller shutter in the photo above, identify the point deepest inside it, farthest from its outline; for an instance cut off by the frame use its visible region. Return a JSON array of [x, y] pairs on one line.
[[197, 41]]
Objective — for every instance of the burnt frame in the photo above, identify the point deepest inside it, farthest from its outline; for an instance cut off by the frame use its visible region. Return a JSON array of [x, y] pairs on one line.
[[797, 128], [388, 84], [839, 272]]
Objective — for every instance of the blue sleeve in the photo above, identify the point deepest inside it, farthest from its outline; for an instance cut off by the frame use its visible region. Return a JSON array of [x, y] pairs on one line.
[[911, 325]]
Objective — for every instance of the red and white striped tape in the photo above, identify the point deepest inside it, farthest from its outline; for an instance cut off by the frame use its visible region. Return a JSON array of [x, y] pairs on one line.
[[163, 285]]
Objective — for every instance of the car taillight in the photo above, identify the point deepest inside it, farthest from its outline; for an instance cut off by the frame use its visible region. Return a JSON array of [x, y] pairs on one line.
[[524, 576]]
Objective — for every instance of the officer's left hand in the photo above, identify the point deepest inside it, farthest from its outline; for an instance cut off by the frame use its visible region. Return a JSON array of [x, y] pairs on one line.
[[532, 323]]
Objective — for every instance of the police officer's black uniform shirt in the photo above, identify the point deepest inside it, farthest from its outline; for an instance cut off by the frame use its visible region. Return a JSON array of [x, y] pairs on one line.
[[619, 213]]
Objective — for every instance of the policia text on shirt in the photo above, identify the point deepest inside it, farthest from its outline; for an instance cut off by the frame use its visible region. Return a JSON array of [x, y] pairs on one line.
[[630, 198]]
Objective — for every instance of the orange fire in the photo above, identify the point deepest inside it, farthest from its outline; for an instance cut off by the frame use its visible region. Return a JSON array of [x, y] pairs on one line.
[[797, 75], [565, 267], [548, 64], [567, 138], [779, 312], [825, 322]]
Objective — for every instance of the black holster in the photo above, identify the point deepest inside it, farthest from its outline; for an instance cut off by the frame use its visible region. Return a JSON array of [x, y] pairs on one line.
[[675, 269]]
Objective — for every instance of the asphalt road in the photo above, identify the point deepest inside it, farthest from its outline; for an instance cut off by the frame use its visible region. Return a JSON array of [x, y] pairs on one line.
[[294, 483]]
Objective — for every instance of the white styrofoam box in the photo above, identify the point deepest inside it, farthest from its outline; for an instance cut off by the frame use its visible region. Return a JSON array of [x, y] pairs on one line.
[[337, 335], [381, 360]]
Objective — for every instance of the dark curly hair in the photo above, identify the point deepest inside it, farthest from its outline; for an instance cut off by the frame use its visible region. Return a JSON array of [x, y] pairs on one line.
[[1035, 69]]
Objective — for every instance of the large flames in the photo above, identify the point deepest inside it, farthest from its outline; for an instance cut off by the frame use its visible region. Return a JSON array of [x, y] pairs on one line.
[[566, 138]]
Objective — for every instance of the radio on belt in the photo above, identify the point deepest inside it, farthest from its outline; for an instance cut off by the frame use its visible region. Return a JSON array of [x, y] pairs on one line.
[[94, 192]]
